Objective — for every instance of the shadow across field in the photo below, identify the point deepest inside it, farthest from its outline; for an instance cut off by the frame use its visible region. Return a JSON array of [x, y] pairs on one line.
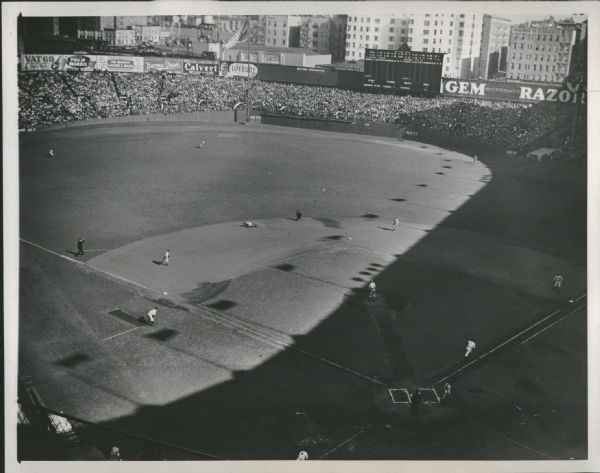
[[324, 388]]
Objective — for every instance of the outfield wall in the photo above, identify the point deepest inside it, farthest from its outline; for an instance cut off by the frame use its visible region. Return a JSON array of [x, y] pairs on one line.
[[200, 117], [388, 130]]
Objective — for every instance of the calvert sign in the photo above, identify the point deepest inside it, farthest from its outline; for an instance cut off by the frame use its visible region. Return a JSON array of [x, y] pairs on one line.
[[200, 67], [514, 91]]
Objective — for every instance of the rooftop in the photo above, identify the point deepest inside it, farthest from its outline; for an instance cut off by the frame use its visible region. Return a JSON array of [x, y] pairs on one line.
[[274, 49]]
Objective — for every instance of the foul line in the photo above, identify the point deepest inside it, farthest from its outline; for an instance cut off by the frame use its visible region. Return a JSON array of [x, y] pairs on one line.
[[496, 348], [280, 343], [552, 324], [522, 445], [122, 333], [84, 264], [343, 443]]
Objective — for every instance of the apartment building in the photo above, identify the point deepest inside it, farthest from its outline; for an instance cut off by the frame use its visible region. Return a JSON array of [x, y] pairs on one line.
[[125, 37], [457, 35], [495, 38], [282, 30], [541, 51], [324, 34]]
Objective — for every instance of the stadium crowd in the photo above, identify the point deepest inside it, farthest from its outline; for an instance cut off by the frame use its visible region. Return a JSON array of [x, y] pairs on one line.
[[47, 98]]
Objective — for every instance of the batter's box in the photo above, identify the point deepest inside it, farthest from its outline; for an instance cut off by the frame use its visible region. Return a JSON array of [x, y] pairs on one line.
[[400, 396], [429, 396]]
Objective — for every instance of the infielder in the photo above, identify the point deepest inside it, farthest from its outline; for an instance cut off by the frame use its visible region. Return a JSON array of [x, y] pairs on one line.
[[558, 280], [470, 347], [151, 314], [372, 291]]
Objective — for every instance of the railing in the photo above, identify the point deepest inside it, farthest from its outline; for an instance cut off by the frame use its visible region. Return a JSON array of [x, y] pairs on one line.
[[66, 433]]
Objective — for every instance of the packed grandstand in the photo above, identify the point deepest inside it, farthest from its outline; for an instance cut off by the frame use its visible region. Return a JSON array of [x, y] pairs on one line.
[[57, 97]]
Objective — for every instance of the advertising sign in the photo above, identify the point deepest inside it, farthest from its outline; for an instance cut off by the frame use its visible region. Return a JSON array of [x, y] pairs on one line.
[[518, 92], [78, 63], [195, 66], [121, 63], [40, 62], [238, 69], [157, 64]]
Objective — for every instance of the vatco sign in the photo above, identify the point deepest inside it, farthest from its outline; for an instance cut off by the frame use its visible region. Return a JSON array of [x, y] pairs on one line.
[[529, 92]]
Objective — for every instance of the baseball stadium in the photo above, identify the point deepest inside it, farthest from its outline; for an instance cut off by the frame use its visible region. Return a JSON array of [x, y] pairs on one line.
[[349, 274]]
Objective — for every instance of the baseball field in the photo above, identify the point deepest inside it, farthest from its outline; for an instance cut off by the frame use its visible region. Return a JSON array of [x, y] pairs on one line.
[[266, 341]]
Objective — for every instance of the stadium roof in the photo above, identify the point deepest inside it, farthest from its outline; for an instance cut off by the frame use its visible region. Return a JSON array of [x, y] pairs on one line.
[[274, 49]]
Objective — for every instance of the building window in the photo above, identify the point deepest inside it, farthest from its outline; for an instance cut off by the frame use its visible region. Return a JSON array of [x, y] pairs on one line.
[[409, 39], [425, 41], [315, 44], [425, 50], [367, 29], [391, 38], [376, 29], [368, 19], [410, 30], [391, 30], [427, 22], [425, 31], [375, 38], [367, 37], [392, 21]]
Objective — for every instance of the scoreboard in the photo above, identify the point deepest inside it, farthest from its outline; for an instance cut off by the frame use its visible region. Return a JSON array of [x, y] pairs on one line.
[[401, 72]]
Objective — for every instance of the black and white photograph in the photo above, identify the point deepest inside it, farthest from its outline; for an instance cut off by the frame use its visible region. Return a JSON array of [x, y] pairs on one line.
[[353, 234]]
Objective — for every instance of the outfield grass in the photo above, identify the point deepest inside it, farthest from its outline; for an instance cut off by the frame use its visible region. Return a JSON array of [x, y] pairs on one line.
[[265, 342]]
